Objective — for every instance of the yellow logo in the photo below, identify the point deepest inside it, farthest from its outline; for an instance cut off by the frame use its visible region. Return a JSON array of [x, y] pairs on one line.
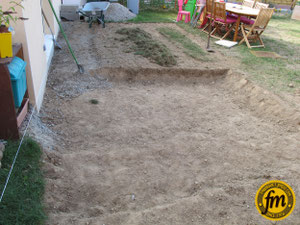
[[275, 200]]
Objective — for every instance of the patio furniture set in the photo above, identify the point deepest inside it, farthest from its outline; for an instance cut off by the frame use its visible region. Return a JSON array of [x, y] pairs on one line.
[[248, 21]]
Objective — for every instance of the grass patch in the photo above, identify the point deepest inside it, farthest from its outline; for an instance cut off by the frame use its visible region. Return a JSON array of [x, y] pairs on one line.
[[155, 16], [273, 73], [94, 101], [191, 30], [277, 74], [286, 28], [281, 36], [191, 49], [146, 46], [22, 201]]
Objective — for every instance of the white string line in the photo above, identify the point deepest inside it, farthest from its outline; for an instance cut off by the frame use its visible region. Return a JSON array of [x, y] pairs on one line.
[[16, 156]]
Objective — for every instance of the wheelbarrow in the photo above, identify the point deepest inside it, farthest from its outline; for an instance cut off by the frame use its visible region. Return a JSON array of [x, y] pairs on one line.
[[94, 12]]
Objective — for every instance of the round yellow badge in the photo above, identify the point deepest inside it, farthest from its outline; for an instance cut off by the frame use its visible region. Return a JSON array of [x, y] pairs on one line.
[[275, 200]]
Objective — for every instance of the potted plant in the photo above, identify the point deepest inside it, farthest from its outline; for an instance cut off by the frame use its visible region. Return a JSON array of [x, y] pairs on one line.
[[6, 17]]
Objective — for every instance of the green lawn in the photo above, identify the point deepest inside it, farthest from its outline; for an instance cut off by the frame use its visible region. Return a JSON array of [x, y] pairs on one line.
[[281, 36], [190, 48], [22, 202]]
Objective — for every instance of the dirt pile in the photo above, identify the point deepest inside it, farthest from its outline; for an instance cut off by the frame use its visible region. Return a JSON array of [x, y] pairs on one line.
[[117, 12], [147, 46]]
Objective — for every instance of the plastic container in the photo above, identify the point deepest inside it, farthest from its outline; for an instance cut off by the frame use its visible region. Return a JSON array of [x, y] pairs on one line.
[[6, 45], [18, 79]]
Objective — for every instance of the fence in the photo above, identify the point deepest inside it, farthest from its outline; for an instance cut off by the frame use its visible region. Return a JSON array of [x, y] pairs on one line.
[[171, 4], [273, 3], [291, 3], [154, 4]]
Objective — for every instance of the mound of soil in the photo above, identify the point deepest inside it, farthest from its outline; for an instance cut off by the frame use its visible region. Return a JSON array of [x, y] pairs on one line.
[[117, 12], [148, 47]]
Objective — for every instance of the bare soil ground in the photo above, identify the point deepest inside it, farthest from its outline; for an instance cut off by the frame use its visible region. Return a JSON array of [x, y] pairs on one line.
[[162, 146]]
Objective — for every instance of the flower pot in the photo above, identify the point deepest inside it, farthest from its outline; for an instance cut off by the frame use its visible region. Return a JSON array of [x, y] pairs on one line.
[[6, 49], [3, 29]]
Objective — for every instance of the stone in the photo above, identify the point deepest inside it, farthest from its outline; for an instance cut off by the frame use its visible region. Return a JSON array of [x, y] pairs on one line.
[[133, 197]]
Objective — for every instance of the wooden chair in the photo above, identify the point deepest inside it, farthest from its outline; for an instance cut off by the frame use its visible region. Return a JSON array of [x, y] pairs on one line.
[[248, 20], [255, 31], [248, 3], [221, 20], [208, 13], [259, 5], [209, 5]]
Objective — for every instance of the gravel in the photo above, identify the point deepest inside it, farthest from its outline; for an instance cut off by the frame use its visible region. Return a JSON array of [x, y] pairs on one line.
[[117, 12]]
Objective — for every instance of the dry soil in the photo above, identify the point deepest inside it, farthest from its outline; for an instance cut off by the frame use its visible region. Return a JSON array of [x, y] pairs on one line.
[[163, 145]]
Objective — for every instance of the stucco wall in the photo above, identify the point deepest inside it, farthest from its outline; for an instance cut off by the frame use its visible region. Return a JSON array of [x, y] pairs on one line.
[[46, 7], [30, 34]]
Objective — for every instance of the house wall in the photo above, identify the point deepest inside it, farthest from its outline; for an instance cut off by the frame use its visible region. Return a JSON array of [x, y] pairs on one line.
[[72, 2], [31, 34], [49, 14]]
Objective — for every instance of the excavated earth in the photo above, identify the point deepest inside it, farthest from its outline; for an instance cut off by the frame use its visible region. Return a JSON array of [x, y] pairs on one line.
[[189, 144]]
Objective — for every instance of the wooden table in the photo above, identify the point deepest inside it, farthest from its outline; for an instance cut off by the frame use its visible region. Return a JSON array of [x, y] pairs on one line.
[[240, 10], [10, 119]]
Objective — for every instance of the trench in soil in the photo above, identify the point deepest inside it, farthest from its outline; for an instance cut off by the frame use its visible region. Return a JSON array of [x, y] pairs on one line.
[[162, 142]]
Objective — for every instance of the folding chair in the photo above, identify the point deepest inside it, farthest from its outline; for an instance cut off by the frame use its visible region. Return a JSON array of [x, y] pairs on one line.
[[259, 5], [222, 20], [255, 31], [247, 19], [208, 14], [248, 3]]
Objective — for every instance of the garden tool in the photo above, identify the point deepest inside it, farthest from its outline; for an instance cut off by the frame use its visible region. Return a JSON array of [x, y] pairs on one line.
[[80, 67], [208, 49], [56, 44]]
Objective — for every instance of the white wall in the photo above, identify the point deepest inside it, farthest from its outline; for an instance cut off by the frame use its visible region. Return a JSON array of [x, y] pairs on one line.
[[49, 14], [30, 34], [71, 2]]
